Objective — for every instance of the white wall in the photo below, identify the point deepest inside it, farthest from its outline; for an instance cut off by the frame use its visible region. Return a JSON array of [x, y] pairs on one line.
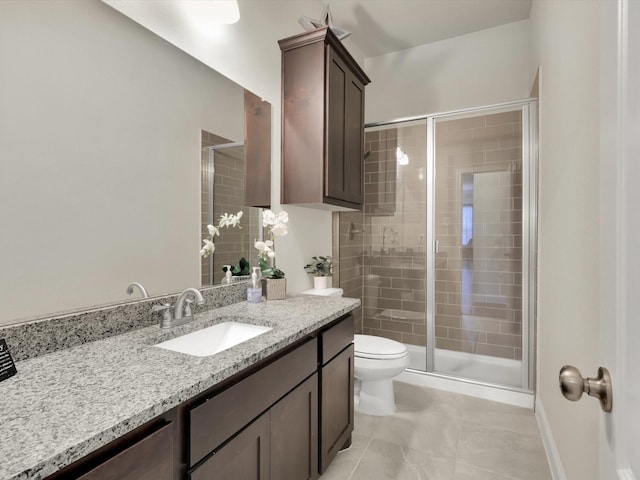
[[565, 44], [481, 68]]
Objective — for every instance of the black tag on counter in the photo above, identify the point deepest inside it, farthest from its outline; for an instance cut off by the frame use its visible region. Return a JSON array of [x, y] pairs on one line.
[[7, 367]]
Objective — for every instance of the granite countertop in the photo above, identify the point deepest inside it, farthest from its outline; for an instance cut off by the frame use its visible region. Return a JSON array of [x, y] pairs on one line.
[[61, 406]]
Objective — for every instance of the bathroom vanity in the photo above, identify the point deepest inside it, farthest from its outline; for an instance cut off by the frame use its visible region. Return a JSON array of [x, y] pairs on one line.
[[277, 406]]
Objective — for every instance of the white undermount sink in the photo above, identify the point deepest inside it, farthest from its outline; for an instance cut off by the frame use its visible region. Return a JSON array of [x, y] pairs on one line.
[[212, 340]]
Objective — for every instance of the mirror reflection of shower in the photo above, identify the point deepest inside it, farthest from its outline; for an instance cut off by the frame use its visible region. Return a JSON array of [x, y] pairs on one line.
[[222, 180]]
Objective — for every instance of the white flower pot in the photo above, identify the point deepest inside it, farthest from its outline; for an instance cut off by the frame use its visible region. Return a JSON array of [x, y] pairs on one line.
[[320, 283]]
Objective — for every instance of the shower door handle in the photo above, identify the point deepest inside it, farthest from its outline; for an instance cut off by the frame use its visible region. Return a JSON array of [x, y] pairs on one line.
[[436, 246], [572, 386]]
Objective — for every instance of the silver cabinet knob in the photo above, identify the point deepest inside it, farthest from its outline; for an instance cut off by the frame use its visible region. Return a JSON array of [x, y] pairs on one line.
[[572, 386]]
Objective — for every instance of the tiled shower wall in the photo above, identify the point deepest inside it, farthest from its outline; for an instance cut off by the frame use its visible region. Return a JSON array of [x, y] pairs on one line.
[[382, 260], [478, 285], [228, 197]]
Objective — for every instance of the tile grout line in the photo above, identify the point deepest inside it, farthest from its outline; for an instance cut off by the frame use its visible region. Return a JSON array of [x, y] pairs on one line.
[[360, 459]]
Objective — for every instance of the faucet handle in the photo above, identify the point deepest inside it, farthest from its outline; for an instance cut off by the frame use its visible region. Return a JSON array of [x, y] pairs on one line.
[[165, 308], [187, 308], [160, 308]]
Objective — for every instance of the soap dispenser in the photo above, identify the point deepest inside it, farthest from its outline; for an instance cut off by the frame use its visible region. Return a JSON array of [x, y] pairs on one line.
[[254, 292], [227, 276]]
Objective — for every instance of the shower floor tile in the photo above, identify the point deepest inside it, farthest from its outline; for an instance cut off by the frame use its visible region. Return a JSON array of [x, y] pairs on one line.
[[438, 435]]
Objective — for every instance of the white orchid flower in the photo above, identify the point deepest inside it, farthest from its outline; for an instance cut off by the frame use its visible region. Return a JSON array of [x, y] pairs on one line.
[[282, 217], [279, 229], [265, 249], [208, 248], [213, 231], [268, 217], [230, 220]]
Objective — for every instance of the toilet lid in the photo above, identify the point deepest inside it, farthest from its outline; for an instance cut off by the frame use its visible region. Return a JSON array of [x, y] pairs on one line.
[[369, 346]]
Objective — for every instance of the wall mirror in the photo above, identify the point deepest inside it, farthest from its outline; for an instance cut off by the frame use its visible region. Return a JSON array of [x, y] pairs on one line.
[[101, 132]]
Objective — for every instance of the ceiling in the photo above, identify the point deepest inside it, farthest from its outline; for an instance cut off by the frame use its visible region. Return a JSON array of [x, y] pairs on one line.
[[384, 26]]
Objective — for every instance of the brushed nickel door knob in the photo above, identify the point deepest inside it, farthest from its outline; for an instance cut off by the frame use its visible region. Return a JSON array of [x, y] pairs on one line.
[[572, 386]]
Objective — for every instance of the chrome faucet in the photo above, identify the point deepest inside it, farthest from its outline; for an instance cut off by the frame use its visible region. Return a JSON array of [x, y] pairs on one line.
[[143, 291], [182, 312], [183, 305]]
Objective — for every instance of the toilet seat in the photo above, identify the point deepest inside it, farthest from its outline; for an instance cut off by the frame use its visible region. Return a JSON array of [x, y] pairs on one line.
[[378, 348]]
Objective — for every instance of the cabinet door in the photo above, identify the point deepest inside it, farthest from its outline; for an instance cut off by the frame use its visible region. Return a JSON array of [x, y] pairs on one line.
[[336, 405], [246, 457], [294, 433], [354, 140], [149, 459], [345, 132]]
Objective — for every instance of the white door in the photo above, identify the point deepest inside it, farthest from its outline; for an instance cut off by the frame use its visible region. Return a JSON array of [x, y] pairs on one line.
[[620, 236]]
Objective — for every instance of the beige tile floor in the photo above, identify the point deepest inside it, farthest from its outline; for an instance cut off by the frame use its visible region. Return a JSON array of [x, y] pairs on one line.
[[438, 435]]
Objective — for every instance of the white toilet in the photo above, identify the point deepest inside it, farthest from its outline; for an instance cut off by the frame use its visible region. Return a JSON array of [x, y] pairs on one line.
[[377, 361]]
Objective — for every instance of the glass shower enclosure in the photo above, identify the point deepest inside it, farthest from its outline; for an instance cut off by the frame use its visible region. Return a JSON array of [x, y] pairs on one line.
[[443, 253]]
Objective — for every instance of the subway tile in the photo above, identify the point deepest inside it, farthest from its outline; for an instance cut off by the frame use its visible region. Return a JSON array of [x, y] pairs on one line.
[[370, 323], [504, 155], [448, 321], [397, 336], [451, 310], [413, 339], [495, 350], [467, 335], [480, 324], [413, 273], [413, 284], [512, 328], [414, 306], [388, 303], [420, 328], [387, 271], [441, 332], [504, 339], [395, 326], [394, 293], [455, 345]]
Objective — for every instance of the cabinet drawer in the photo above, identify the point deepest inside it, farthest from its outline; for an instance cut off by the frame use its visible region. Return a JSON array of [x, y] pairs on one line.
[[149, 459], [214, 421], [336, 338], [246, 457]]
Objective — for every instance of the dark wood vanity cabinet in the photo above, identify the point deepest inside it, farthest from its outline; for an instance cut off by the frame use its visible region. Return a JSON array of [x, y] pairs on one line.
[[322, 122], [336, 390], [284, 395], [147, 453], [284, 418]]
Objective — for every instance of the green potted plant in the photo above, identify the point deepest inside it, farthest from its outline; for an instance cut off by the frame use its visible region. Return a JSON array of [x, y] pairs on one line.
[[322, 269]]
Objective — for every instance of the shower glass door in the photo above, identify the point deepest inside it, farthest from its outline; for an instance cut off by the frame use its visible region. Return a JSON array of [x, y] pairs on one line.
[[476, 308], [443, 253]]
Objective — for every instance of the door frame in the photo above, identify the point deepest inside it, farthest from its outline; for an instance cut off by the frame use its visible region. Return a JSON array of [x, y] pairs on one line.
[[619, 145]]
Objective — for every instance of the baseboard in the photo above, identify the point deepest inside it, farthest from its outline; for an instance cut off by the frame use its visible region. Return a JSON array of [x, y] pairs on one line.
[[553, 456]]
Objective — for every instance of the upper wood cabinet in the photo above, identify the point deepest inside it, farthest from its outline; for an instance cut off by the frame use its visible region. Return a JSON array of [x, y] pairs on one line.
[[322, 122]]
